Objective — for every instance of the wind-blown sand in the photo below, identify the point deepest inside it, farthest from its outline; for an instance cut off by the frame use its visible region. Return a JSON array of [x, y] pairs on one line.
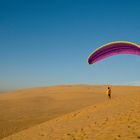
[[70, 113]]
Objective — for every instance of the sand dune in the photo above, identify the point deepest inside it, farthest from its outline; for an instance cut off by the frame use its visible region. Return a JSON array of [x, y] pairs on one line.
[[70, 113]]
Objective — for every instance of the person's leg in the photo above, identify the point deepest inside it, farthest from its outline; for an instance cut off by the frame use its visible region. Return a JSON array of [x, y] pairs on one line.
[[109, 95]]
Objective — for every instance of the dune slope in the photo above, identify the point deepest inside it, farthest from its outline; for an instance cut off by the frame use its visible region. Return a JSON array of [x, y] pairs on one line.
[[25, 108], [99, 118]]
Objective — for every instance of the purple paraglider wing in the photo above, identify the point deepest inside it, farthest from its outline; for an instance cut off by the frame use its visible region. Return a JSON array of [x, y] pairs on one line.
[[113, 48]]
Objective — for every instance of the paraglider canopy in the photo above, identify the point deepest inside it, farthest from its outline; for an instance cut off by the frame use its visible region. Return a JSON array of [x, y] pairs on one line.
[[114, 48]]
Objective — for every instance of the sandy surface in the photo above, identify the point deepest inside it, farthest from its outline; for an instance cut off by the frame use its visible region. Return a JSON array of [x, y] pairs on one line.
[[70, 113]]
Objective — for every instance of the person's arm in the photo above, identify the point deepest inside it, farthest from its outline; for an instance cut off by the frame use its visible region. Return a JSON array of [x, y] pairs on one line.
[[107, 91]]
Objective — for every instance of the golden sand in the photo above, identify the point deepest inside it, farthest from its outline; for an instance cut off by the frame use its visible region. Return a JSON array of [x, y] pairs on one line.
[[79, 112]]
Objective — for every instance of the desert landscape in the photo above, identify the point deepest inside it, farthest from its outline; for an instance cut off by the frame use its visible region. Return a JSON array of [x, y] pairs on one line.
[[69, 70], [72, 112]]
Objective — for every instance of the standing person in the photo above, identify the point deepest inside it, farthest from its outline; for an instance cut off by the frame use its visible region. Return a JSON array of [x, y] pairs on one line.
[[109, 92]]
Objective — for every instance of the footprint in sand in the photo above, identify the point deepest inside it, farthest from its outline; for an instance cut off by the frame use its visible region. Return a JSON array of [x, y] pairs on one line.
[[106, 120], [128, 126], [119, 136], [71, 135], [84, 135], [42, 135], [75, 114], [68, 134]]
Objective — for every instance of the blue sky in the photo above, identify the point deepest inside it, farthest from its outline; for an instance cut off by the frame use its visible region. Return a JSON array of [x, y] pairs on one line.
[[47, 42]]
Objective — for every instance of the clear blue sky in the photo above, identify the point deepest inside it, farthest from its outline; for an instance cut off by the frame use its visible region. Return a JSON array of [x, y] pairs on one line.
[[47, 42]]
